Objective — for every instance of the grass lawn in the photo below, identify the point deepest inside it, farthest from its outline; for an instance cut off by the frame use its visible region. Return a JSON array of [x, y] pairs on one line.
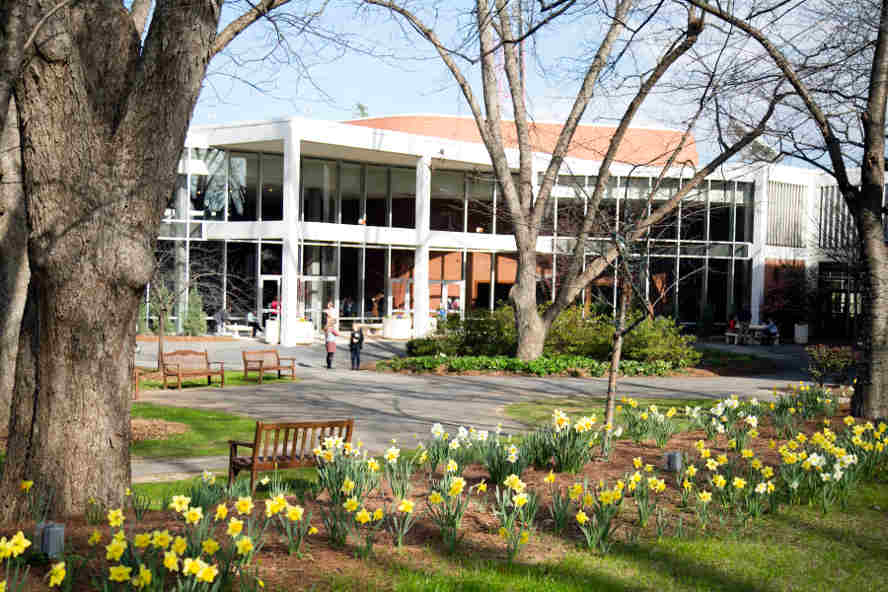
[[208, 431], [796, 549], [535, 413], [232, 378]]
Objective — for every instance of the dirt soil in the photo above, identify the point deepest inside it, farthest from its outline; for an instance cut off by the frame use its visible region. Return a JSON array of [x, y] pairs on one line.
[[423, 550], [156, 429]]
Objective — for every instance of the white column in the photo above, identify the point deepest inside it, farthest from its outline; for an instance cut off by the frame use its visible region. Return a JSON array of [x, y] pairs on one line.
[[290, 267], [759, 239], [421, 257]]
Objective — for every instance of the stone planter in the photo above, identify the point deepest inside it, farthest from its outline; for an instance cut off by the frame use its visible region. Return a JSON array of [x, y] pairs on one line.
[[303, 332], [396, 328]]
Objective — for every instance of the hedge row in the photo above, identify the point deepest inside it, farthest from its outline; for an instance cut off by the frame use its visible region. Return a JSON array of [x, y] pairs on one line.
[[542, 366]]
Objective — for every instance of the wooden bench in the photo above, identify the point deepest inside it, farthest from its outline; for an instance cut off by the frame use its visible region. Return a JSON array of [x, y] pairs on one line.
[[185, 363], [284, 446], [267, 360]]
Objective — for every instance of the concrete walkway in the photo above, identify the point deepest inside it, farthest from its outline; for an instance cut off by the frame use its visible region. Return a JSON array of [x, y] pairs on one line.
[[404, 407]]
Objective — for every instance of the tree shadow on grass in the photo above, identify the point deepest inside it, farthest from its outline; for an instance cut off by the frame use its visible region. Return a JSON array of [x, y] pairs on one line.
[[473, 569], [871, 540]]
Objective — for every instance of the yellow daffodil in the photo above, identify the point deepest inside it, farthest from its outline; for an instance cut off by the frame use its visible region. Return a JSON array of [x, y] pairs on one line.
[[115, 550], [192, 566], [351, 504], [57, 574], [116, 517], [235, 527], [451, 466], [207, 573], [179, 545], [739, 483], [95, 538], [209, 546], [575, 491], [525, 536], [347, 486], [520, 500], [119, 573], [295, 513], [435, 498], [171, 561], [143, 579], [221, 512], [378, 515], [456, 486], [141, 541], [26, 486], [581, 517], [312, 530], [705, 497], [405, 506], [193, 515], [244, 505], [362, 517], [180, 503], [550, 478], [481, 487], [161, 539], [244, 545]]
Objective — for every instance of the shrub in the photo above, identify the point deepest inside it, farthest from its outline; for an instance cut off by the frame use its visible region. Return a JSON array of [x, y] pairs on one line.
[[660, 339], [542, 366], [195, 318], [825, 362]]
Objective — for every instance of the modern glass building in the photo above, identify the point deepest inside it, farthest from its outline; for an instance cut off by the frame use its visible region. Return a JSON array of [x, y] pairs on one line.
[[401, 215]]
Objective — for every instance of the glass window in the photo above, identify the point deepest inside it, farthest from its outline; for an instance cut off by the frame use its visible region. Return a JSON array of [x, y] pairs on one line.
[[208, 183], [662, 286], [404, 198], [667, 228], [478, 280], [633, 194], [351, 193], [319, 260], [318, 191], [720, 210], [242, 275], [480, 204], [744, 217], [447, 204], [693, 216], [272, 187], [243, 187], [272, 258], [377, 196]]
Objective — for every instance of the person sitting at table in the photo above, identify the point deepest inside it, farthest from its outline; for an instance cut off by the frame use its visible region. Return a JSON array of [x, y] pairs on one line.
[[771, 332]]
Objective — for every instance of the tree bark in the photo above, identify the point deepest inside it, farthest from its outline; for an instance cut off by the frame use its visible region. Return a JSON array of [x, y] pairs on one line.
[[103, 121], [625, 296], [530, 326], [14, 267]]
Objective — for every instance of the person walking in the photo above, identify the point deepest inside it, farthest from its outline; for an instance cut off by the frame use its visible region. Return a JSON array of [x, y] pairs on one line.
[[355, 343], [330, 335]]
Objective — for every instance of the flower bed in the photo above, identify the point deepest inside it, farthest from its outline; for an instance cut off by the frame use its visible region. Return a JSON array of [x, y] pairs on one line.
[[564, 485]]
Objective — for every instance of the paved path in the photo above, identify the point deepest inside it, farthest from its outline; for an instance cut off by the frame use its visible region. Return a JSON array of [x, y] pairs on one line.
[[398, 406]]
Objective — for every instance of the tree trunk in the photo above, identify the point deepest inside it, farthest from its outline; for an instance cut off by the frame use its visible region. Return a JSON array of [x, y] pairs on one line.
[[615, 355], [103, 121], [871, 392], [530, 325], [14, 268], [161, 332]]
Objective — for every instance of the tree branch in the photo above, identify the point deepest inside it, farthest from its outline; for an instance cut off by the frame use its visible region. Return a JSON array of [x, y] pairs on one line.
[[237, 26]]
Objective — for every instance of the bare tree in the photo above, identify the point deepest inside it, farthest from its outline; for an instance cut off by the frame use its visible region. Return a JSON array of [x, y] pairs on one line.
[[838, 73], [504, 25], [102, 119]]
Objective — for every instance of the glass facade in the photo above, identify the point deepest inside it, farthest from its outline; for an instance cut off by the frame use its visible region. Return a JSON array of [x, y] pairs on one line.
[[696, 256]]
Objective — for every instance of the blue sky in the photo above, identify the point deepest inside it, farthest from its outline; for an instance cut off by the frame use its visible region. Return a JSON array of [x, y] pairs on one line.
[[410, 80]]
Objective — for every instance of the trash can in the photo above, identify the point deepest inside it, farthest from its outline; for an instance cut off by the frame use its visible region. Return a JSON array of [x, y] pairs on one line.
[[801, 333]]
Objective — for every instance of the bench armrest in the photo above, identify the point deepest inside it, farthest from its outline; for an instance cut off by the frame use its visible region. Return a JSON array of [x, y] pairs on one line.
[[234, 444]]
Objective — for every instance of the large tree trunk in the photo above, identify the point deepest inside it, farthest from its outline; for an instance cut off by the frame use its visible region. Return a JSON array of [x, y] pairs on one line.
[[103, 122], [14, 269], [530, 325]]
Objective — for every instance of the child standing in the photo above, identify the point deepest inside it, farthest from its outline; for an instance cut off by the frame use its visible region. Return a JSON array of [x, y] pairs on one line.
[[355, 343], [330, 335]]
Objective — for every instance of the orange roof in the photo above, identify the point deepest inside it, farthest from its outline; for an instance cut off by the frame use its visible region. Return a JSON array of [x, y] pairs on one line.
[[640, 146]]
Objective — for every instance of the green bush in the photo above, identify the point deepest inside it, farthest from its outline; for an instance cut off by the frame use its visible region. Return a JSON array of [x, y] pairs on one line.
[[542, 366], [493, 334], [825, 362], [660, 340], [142, 322], [195, 318]]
